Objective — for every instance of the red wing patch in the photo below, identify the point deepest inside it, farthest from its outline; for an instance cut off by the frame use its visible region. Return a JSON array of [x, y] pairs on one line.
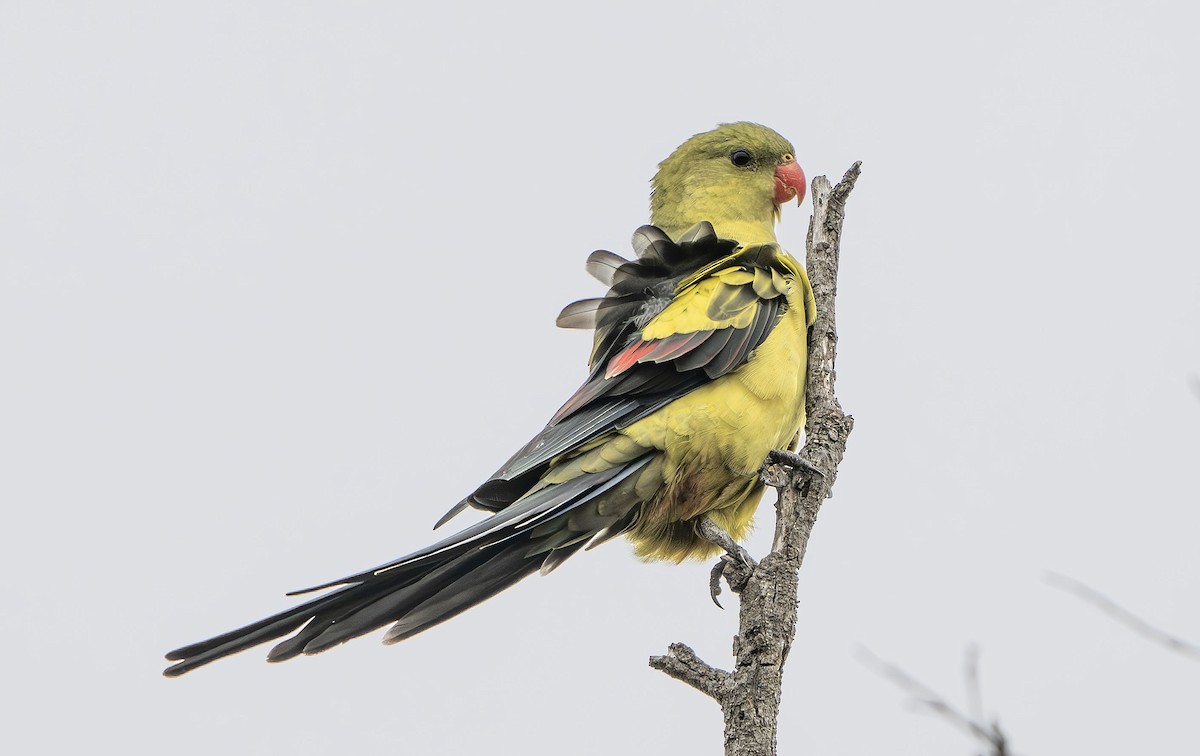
[[628, 357], [655, 350]]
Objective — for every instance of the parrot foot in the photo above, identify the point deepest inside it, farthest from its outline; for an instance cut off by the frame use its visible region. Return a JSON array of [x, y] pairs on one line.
[[735, 565], [790, 459]]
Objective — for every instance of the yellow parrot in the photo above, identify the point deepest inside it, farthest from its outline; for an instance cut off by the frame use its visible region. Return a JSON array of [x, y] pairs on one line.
[[698, 371]]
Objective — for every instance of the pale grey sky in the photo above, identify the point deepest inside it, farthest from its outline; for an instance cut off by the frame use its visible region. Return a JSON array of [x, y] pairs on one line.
[[278, 285]]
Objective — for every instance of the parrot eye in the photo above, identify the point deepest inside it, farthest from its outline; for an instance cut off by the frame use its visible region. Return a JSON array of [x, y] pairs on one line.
[[740, 158]]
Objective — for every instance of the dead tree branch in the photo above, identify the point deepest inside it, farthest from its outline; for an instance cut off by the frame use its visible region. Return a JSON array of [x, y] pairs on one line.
[[749, 695], [682, 663]]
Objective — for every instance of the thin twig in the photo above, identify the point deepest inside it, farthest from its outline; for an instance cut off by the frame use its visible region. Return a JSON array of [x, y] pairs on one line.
[[974, 688], [991, 735], [1123, 615]]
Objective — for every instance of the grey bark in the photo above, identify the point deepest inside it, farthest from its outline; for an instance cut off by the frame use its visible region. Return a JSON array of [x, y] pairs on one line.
[[749, 695]]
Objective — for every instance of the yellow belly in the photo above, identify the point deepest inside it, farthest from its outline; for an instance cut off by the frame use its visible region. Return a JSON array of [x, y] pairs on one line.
[[715, 439]]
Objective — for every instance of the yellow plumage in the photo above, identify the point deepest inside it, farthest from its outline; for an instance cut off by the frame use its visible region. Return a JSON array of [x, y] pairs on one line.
[[709, 443], [713, 440]]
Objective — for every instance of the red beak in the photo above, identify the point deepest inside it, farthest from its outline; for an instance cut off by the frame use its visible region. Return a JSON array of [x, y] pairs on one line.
[[789, 182]]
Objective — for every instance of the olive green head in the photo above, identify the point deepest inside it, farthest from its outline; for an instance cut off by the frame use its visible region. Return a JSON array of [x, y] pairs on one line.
[[735, 176]]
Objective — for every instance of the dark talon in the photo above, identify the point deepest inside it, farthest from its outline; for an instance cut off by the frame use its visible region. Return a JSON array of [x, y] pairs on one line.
[[714, 581], [736, 564]]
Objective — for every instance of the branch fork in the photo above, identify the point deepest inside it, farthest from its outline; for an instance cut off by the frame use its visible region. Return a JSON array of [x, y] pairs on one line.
[[681, 663]]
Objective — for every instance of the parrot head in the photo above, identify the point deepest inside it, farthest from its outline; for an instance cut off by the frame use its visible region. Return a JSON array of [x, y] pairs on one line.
[[736, 177]]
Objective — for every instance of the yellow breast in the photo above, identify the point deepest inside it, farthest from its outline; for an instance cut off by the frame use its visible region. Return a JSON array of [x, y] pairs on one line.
[[715, 439]]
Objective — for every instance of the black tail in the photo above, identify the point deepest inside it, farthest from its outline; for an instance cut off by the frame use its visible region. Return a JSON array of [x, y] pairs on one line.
[[436, 583], [414, 599]]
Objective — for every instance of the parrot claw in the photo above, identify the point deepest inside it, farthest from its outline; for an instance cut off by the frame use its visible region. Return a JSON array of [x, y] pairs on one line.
[[714, 581], [736, 572], [735, 565], [792, 459]]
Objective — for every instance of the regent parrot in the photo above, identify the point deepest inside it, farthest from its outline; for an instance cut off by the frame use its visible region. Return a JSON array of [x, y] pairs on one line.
[[698, 371]]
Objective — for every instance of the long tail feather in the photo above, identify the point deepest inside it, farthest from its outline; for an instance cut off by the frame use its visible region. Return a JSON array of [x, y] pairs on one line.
[[472, 576], [427, 587]]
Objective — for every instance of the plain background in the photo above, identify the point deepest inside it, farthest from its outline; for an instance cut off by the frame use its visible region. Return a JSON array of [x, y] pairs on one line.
[[278, 284]]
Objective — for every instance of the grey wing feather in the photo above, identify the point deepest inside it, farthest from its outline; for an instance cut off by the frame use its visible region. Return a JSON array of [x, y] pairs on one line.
[[603, 265]]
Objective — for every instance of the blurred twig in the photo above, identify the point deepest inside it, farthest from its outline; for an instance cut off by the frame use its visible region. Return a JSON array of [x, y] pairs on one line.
[[989, 734], [1123, 615], [974, 689]]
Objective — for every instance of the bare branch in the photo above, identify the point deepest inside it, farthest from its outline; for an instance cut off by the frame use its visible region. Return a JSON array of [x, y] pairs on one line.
[[1123, 615], [682, 663], [973, 724]]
